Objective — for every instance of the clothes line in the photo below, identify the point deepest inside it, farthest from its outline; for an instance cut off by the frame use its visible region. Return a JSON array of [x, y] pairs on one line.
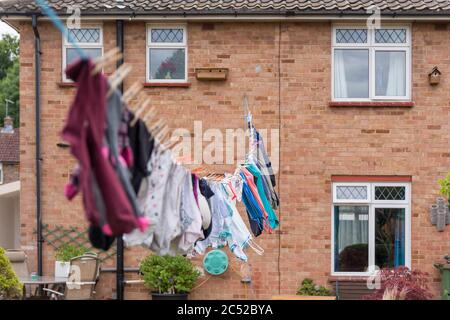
[[161, 204]]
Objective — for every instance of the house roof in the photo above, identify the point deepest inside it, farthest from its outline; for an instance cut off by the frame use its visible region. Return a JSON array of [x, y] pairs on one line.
[[321, 7], [9, 146]]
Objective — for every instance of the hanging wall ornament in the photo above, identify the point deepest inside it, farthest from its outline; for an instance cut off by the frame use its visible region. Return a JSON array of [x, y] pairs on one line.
[[215, 262]]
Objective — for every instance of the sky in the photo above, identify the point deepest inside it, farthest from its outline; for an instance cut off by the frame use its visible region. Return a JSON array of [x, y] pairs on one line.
[[4, 28]]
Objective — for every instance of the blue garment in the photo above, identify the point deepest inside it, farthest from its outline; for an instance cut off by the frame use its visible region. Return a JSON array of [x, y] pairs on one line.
[[255, 214], [272, 217], [265, 166]]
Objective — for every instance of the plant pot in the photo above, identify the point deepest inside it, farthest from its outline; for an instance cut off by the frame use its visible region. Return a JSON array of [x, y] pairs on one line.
[[62, 269], [166, 296]]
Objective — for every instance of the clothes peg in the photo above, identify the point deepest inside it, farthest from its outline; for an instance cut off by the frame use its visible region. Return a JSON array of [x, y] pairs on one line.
[[132, 92], [159, 130], [142, 107], [172, 143], [110, 57], [150, 114], [162, 134], [153, 129], [118, 76]]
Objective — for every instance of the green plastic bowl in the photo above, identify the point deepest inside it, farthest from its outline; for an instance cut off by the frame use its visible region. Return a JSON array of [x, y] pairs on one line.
[[215, 262]]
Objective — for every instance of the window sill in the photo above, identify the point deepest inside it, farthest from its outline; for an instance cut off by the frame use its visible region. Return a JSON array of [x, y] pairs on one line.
[[353, 278], [377, 104], [67, 84], [167, 84]]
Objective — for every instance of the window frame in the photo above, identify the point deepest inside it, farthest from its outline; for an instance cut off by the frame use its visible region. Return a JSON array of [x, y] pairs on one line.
[[352, 184], [1, 173], [67, 45], [372, 47], [407, 187], [166, 45], [373, 204]]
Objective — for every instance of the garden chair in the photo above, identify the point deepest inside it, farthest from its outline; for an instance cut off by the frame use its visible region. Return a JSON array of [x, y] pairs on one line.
[[19, 263], [84, 272]]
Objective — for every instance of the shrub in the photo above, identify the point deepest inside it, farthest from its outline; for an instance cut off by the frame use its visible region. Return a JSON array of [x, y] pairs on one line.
[[10, 286], [168, 274], [67, 252], [309, 288], [412, 283], [445, 186]]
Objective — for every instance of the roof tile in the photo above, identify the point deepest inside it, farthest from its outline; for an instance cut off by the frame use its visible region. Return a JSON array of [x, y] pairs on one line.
[[9, 146], [151, 6]]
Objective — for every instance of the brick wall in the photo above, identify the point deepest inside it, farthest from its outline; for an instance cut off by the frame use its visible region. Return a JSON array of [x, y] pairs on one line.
[[10, 172], [316, 141]]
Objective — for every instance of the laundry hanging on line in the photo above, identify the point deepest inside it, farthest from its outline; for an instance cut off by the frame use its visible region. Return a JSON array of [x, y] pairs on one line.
[[132, 186]]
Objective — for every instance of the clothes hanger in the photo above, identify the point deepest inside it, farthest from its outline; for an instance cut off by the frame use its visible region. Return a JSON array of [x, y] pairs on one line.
[[200, 170], [118, 76], [110, 57]]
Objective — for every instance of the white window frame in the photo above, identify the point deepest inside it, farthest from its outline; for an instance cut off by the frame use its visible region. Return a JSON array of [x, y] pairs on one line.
[[92, 45], [373, 204], [1, 173], [166, 45], [372, 47], [350, 184], [407, 187]]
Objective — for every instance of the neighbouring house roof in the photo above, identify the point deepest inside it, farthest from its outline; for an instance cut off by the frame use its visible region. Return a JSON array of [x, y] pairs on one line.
[[150, 7], [9, 146]]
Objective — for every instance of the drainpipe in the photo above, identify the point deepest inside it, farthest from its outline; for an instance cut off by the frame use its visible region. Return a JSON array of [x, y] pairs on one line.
[[120, 278], [37, 79]]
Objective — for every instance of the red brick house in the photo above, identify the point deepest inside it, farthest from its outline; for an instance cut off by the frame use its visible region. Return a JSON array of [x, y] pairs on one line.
[[364, 136]]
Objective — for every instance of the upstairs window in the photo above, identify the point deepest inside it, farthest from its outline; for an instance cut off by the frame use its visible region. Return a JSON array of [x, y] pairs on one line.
[[166, 53], [89, 38], [371, 64], [371, 223]]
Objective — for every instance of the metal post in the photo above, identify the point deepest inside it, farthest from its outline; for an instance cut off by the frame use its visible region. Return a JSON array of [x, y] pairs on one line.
[[120, 249]]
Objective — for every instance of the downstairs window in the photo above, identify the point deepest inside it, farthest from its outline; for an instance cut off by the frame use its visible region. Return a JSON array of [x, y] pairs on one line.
[[371, 223]]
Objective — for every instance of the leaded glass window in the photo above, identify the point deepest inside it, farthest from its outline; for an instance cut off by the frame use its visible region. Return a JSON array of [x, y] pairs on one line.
[[85, 35], [167, 35], [351, 192], [351, 35], [390, 193], [390, 35]]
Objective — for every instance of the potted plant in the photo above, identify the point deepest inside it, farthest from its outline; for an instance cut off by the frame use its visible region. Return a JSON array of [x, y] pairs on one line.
[[445, 187], [63, 256], [309, 289], [169, 277], [10, 286]]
